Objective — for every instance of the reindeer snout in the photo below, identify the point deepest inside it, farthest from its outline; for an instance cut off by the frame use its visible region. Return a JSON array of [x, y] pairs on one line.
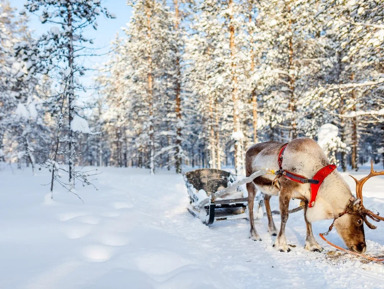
[[360, 248]]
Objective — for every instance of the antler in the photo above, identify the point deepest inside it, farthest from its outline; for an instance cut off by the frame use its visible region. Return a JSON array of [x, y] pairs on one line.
[[360, 183], [359, 195]]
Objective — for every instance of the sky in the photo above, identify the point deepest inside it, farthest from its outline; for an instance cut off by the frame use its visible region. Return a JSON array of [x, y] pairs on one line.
[[103, 36]]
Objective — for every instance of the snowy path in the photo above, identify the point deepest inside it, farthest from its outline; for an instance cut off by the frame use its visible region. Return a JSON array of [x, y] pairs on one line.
[[135, 233]]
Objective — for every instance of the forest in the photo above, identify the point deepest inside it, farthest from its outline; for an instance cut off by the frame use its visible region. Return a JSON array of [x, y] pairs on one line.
[[191, 83]]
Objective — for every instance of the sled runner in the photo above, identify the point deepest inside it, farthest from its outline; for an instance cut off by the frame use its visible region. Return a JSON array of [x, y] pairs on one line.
[[215, 195]]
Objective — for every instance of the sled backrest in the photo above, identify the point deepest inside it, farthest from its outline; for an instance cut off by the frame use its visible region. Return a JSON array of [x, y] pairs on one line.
[[209, 180]]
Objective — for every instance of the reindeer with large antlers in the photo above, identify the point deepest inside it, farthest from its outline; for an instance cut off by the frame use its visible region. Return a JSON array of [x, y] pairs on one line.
[[303, 172]]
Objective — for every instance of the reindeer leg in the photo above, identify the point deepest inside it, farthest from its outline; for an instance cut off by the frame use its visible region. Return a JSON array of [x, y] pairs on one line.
[[310, 241], [251, 200], [281, 241], [271, 224]]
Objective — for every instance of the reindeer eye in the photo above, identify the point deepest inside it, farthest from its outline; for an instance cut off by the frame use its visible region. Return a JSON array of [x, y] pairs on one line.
[[359, 222]]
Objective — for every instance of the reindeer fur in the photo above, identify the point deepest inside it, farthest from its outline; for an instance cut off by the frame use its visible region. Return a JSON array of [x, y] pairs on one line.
[[304, 157]]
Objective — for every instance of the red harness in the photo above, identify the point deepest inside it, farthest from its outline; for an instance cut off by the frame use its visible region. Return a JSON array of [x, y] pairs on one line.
[[315, 182]]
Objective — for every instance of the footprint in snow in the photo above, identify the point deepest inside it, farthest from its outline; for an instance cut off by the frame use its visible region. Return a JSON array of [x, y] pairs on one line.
[[113, 240], [70, 216], [77, 231], [91, 220], [97, 253]]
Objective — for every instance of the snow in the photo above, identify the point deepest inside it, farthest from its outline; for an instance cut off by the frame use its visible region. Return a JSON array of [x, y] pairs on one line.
[[328, 131], [25, 112], [55, 30], [135, 232], [32, 110], [238, 135], [21, 112], [80, 124], [330, 142]]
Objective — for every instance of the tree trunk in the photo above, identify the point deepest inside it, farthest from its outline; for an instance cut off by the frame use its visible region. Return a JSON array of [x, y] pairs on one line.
[[178, 160], [355, 140], [2, 157], [237, 134], [70, 92], [253, 91], [292, 79], [212, 145], [148, 11], [55, 153], [343, 133], [217, 131]]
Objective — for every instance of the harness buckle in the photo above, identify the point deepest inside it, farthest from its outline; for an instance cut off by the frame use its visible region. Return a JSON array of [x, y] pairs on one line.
[[280, 173]]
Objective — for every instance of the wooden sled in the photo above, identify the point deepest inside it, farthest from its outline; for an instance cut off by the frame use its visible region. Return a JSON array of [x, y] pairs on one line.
[[203, 186]]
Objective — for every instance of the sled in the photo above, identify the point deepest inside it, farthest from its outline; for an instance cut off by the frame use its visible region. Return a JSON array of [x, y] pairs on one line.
[[215, 195]]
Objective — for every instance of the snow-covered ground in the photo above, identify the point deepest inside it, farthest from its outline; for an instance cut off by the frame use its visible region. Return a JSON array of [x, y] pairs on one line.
[[135, 232]]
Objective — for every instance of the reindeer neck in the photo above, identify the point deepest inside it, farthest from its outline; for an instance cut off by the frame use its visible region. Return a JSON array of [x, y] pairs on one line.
[[333, 197]]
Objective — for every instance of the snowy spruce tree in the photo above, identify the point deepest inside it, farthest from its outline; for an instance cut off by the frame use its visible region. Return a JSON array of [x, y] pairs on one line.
[[57, 53], [24, 134], [251, 71], [114, 96], [289, 64], [218, 74], [350, 75], [143, 84]]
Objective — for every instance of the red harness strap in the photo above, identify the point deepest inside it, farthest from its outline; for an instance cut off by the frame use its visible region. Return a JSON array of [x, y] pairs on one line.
[[280, 159], [315, 182], [319, 176], [289, 175]]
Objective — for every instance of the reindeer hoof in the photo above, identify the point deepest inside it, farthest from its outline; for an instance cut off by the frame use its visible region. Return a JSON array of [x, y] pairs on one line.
[[282, 250], [317, 249], [272, 232], [313, 247], [288, 250], [281, 246], [255, 238]]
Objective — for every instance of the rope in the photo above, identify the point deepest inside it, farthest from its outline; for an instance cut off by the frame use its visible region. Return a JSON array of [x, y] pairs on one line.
[[276, 212], [351, 252]]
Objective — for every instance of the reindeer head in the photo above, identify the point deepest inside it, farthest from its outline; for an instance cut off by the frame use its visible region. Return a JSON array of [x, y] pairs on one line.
[[350, 227], [350, 223]]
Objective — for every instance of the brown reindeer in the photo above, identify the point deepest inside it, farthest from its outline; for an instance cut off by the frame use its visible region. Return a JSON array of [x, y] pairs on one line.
[[301, 160]]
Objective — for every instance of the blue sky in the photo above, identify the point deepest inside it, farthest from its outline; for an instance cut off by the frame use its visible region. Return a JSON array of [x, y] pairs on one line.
[[106, 32]]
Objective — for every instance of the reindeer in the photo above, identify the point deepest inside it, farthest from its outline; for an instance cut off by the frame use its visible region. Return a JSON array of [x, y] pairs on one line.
[[294, 163]]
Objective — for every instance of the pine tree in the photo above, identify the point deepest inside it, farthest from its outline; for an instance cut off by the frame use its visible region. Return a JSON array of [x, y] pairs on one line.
[[144, 83], [350, 45], [24, 134], [58, 52]]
